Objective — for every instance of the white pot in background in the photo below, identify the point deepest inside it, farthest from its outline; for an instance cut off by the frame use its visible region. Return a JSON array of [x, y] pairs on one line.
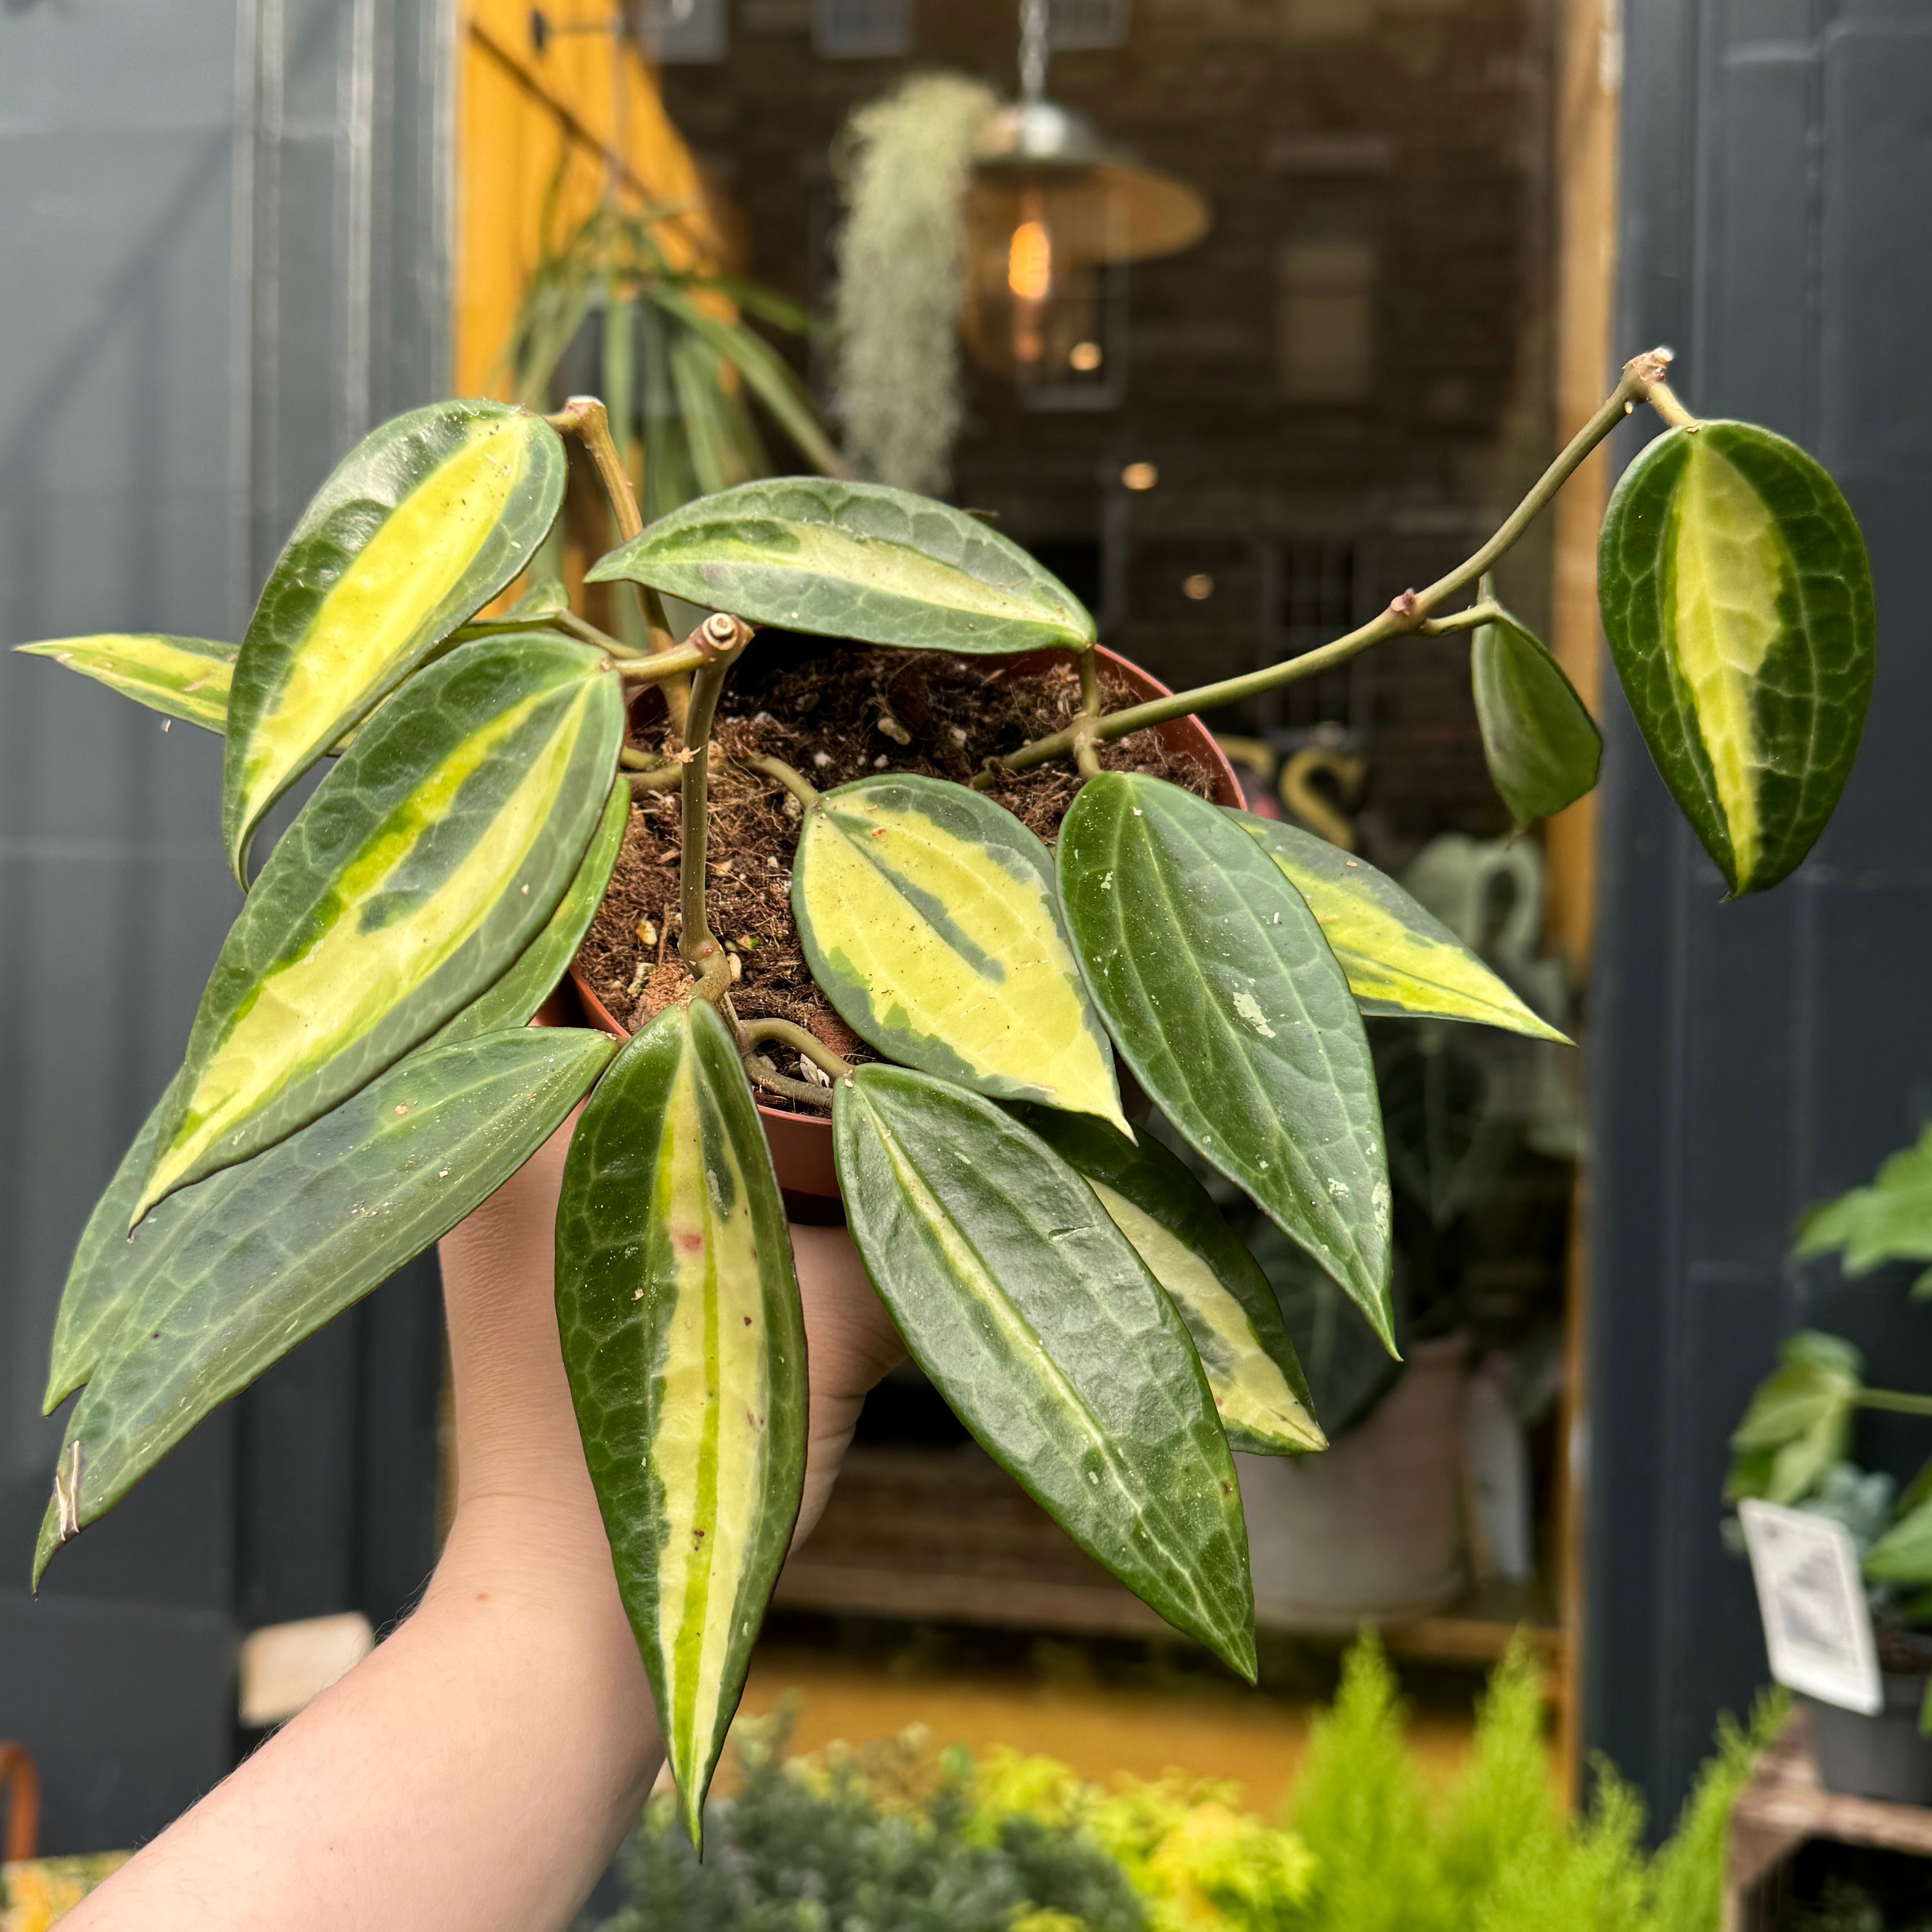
[[1373, 1527]]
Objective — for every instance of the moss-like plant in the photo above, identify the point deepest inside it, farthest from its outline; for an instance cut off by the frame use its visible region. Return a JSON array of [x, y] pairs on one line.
[[359, 1076]]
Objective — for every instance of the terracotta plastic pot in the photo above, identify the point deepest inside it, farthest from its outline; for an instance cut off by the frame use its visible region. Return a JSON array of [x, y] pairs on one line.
[[801, 1144]]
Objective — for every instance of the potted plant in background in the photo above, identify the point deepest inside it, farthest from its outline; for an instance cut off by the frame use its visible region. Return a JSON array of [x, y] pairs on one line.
[[1794, 1448], [359, 1075]]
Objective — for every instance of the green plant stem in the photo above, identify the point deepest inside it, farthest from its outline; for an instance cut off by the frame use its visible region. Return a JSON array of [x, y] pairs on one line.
[[726, 637], [659, 669], [582, 627], [750, 1033], [794, 781], [763, 1073], [1894, 1402], [1406, 615]]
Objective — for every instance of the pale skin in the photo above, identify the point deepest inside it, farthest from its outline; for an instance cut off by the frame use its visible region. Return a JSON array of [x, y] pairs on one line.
[[477, 1771]]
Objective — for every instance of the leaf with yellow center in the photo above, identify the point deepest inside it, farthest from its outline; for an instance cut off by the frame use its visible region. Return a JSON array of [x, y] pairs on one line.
[[928, 916]]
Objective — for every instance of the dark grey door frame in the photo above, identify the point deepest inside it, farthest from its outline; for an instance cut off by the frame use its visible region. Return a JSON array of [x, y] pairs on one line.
[[1746, 1060]]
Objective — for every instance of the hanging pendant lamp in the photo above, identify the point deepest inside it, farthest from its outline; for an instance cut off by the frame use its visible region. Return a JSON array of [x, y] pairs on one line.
[[1053, 206]]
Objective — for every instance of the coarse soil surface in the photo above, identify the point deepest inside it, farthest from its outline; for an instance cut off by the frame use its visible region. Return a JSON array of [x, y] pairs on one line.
[[835, 712]]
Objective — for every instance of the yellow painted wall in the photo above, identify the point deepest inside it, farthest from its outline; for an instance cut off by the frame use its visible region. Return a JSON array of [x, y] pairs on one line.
[[539, 138]]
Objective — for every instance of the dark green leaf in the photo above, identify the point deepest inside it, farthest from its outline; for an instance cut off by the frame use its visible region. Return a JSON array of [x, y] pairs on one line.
[[1221, 993], [856, 560], [1031, 1312], [224, 1278], [1224, 1298], [426, 861], [685, 1349], [1737, 602], [1542, 746], [422, 523]]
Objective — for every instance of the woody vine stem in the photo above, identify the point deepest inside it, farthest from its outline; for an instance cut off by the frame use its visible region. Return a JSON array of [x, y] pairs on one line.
[[1407, 615]]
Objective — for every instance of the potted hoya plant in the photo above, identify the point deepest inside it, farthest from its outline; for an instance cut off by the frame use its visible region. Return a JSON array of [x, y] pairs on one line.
[[359, 1075]]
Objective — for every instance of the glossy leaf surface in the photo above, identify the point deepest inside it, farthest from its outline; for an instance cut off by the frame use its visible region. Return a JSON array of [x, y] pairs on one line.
[[1543, 747], [1399, 958], [1223, 1296], [928, 916], [426, 861], [183, 677], [685, 1349], [516, 996], [422, 523], [1219, 988], [1737, 598], [1033, 1314], [225, 1277], [856, 560], [1799, 1422]]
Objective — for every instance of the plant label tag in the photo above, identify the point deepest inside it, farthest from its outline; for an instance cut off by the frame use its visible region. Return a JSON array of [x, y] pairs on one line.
[[1817, 1625]]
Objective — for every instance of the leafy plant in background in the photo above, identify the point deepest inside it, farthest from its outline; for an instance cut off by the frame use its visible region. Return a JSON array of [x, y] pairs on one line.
[[895, 1837], [359, 1076]]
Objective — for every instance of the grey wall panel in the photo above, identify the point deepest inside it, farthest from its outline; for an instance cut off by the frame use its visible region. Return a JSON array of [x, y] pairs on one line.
[[222, 250], [1747, 1060]]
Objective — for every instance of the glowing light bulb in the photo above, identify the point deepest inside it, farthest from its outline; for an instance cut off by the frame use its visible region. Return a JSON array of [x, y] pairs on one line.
[[1030, 261]]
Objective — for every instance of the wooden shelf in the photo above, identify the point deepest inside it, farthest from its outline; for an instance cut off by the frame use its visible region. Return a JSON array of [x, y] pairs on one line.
[[946, 1536]]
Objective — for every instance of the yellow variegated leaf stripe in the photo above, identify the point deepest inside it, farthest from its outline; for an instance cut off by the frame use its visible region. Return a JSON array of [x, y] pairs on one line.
[[425, 521], [1399, 958], [426, 861], [1253, 1395], [185, 677], [684, 1342], [928, 916]]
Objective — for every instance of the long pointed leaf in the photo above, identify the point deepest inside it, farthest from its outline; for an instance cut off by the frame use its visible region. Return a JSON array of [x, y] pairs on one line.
[[515, 997], [422, 523], [225, 1277], [1221, 993], [685, 1345], [184, 677], [1033, 1316], [928, 916], [856, 560], [1543, 747], [1223, 1296], [1401, 960], [426, 861], [1737, 601]]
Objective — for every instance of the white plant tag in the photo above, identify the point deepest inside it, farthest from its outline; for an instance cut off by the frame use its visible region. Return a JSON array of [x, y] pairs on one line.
[[1817, 1625]]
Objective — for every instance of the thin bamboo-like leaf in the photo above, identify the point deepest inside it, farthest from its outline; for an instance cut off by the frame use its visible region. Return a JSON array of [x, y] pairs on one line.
[[1031, 1312], [1223, 1296], [685, 1345], [426, 861], [1400, 959], [1215, 981], [184, 677], [716, 463], [223, 1279], [855, 560], [1737, 601], [928, 916], [421, 524]]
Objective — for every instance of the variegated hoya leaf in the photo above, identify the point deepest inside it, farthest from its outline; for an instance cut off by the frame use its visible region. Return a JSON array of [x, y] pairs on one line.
[[184, 677], [1737, 601], [1035, 1317], [1542, 746], [857, 560], [928, 916], [422, 523], [514, 997], [1217, 986], [685, 1345], [1400, 959], [426, 861], [224, 1278], [1223, 1296]]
